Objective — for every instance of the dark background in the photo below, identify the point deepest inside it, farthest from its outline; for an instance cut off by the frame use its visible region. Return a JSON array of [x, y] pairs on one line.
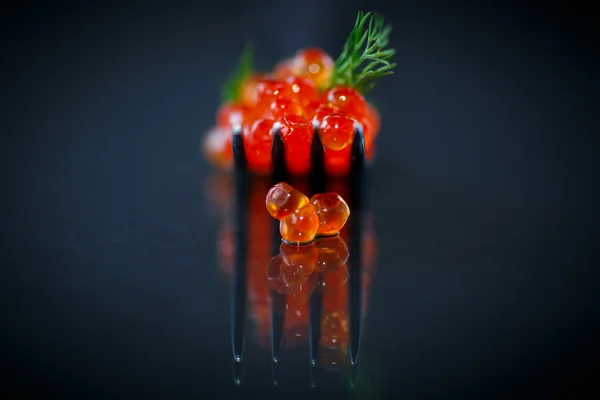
[[484, 195]]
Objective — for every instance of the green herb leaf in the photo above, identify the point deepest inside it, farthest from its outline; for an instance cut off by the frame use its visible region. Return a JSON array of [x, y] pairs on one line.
[[364, 58], [231, 89]]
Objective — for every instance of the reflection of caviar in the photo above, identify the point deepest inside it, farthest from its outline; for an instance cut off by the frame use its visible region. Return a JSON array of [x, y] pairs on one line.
[[290, 271], [334, 330], [369, 257], [333, 253], [258, 254], [334, 278], [332, 358], [281, 279], [333, 349], [334, 322], [298, 261], [296, 311], [295, 325]]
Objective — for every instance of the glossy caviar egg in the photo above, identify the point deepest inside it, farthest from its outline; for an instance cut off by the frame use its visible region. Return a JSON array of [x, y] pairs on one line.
[[284, 106], [258, 139], [333, 212], [336, 131], [284, 69], [282, 200], [321, 112], [216, 148], [313, 63], [230, 114], [296, 133], [347, 100], [269, 89], [310, 109], [302, 90], [248, 90], [301, 226]]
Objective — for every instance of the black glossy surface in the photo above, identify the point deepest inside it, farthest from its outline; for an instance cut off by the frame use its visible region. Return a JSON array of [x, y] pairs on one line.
[[484, 198]]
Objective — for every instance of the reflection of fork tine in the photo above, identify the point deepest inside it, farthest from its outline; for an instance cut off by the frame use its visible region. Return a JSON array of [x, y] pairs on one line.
[[238, 280], [238, 372], [316, 308], [356, 181], [275, 371], [277, 320], [353, 375], [314, 334], [312, 371], [277, 300], [317, 184]]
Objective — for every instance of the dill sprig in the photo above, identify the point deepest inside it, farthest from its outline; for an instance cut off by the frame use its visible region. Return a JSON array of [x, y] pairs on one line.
[[230, 91], [364, 57]]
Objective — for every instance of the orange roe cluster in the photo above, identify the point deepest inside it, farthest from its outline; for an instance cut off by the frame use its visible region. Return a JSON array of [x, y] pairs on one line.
[[298, 96], [301, 219]]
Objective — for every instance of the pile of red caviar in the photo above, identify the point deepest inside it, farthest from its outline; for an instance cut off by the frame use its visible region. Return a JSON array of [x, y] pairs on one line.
[[296, 95]]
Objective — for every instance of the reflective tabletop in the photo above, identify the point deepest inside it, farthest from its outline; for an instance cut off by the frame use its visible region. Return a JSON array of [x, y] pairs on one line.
[[129, 268]]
